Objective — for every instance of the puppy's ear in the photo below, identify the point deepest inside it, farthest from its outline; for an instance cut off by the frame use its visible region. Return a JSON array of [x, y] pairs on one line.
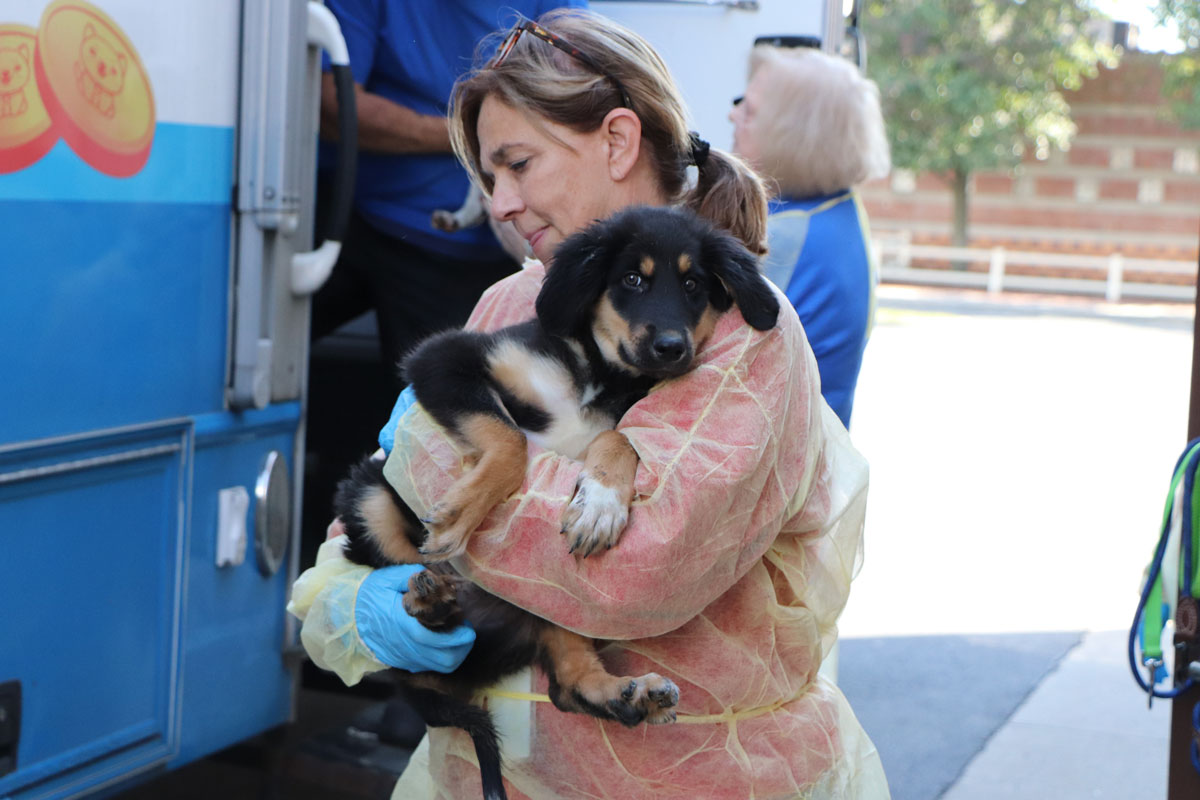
[[576, 280], [737, 270]]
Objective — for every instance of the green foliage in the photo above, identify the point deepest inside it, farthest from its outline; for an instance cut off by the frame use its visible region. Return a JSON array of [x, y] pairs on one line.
[[1181, 72], [971, 85]]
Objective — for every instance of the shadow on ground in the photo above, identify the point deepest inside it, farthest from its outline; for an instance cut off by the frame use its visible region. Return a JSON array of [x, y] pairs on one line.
[[930, 703]]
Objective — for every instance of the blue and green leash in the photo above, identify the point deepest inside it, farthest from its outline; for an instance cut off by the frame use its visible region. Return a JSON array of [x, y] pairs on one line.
[[1172, 550]]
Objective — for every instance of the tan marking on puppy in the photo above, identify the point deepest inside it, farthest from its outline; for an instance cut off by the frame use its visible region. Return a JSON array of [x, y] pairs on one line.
[[387, 527], [611, 330], [577, 668], [647, 266], [545, 383], [685, 263], [498, 473], [612, 461], [705, 327], [525, 374], [578, 671]]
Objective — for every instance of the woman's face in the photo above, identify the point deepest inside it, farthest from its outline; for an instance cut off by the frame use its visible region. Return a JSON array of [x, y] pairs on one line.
[[548, 180], [745, 140]]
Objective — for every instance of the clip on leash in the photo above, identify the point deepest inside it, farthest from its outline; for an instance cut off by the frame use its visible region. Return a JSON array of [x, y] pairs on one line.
[[1172, 577]]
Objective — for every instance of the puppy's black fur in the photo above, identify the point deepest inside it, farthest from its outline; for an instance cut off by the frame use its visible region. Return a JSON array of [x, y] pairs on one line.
[[628, 303]]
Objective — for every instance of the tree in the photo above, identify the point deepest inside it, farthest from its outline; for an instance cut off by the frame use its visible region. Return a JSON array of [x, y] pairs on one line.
[[972, 85], [1181, 72]]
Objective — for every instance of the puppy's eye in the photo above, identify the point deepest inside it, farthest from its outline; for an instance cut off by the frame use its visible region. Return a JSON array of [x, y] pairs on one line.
[[690, 285], [633, 280]]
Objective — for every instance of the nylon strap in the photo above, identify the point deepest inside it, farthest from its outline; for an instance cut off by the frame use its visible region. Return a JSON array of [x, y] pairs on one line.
[[1155, 614], [681, 719]]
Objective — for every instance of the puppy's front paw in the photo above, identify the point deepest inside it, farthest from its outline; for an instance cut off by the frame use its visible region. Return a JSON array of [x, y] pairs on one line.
[[595, 518]]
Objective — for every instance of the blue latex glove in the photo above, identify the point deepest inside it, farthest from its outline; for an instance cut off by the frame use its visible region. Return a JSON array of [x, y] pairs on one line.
[[387, 436], [398, 639]]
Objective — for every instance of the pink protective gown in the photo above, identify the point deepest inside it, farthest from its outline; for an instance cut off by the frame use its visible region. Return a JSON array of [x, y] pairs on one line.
[[745, 533]]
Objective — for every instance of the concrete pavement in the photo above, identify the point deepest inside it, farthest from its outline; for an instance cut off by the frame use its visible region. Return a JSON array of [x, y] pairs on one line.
[[1020, 452]]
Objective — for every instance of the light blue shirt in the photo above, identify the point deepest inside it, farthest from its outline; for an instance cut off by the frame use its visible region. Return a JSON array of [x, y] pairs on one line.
[[819, 256]]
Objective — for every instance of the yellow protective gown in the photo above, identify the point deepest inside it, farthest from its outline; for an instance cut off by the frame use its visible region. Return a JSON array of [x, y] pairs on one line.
[[745, 533]]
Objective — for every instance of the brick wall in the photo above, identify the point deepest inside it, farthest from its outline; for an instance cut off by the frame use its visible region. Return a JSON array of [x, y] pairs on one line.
[[1130, 182]]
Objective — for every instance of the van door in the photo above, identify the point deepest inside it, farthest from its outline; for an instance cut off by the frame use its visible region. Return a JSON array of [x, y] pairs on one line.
[[156, 166]]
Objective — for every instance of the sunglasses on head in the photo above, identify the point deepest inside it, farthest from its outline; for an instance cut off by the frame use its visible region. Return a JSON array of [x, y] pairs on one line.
[[529, 26]]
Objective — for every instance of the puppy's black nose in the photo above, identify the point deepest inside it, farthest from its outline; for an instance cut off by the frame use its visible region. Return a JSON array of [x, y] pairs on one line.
[[669, 346]]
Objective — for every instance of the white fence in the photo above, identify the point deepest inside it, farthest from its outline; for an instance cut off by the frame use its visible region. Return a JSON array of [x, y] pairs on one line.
[[896, 253]]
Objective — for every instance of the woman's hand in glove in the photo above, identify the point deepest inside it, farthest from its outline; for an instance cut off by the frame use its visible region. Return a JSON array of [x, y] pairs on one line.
[[398, 639]]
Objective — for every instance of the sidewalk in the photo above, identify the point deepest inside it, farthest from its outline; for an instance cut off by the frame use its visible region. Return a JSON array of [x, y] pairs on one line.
[[1020, 451], [1008, 717], [1084, 734]]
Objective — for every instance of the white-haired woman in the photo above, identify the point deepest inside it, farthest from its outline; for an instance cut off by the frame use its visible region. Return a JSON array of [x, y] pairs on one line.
[[747, 523], [811, 124]]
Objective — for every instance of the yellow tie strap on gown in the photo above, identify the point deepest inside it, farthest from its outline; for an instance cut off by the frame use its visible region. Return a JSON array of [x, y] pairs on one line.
[[682, 719]]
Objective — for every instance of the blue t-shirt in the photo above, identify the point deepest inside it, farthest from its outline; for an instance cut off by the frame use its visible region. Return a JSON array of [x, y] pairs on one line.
[[411, 52], [820, 259]]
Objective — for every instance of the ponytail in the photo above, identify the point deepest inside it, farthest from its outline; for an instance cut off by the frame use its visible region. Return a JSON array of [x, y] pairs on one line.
[[730, 194]]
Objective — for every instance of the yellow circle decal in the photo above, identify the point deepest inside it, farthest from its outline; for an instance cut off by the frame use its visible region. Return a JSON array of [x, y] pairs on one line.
[[26, 131], [95, 87]]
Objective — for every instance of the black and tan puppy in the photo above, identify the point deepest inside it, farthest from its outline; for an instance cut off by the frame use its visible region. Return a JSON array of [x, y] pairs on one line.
[[628, 302]]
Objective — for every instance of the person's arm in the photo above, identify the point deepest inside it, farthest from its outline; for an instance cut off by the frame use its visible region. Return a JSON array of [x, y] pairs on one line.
[[384, 126], [727, 453], [354, 620]]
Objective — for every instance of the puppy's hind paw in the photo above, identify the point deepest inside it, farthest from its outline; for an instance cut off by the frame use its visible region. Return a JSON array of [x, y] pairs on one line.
[[650, 699], [433, 599]]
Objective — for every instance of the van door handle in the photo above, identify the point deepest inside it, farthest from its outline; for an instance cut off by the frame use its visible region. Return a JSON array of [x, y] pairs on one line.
[[310, 270]]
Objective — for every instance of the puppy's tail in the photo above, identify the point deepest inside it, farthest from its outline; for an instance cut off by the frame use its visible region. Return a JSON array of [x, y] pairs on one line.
[[441, 710]]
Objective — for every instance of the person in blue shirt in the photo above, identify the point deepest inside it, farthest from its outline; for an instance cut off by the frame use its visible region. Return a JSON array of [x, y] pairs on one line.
[[811, 124], [405, 57]]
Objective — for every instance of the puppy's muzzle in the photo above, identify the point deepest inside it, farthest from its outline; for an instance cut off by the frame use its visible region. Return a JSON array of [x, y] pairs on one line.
[[669, 347], [665, 354]]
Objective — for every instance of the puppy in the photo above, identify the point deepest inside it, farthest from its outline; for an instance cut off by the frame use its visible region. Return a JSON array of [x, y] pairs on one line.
[[628, 303], [475, 211], [471, 214]]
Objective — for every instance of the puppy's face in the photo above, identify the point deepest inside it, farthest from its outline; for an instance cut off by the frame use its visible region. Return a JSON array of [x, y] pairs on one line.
[[648, 285], [655, 311]]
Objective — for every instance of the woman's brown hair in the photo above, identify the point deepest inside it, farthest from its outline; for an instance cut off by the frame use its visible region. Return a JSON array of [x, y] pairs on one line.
[[543, 80]]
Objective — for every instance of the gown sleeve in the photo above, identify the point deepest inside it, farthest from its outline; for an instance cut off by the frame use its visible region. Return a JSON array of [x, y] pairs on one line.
[[728, 454]]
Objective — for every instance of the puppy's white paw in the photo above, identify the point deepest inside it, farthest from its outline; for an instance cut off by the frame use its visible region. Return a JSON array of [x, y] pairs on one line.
[[595, 518]]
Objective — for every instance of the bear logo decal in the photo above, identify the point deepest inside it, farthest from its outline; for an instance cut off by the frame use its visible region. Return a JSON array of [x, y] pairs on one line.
[[100, 71], [14, 75]]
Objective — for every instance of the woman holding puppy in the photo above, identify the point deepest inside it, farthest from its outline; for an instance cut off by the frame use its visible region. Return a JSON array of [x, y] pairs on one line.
[[746, 527]]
